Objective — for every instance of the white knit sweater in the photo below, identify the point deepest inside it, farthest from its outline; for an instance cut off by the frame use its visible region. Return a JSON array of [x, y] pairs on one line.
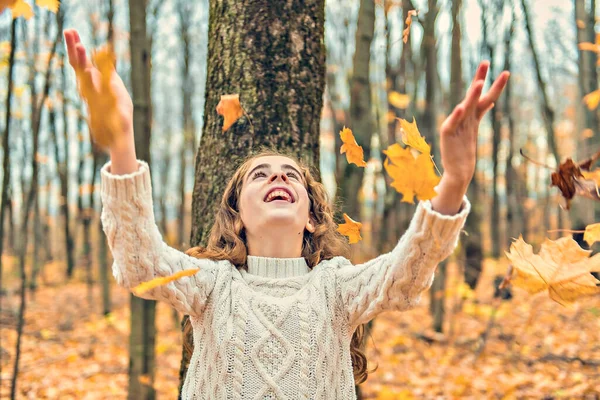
[[279, 330]]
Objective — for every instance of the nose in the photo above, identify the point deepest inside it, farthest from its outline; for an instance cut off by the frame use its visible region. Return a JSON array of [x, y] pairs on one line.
[[276, 175]]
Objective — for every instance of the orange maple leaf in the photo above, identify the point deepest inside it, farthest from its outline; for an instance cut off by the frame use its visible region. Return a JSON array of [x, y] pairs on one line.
[[4, 4], [354, 152], [163, 280], [561, 267], [411, 176], [51, 5], [407, 23], [21, 9], [230, 108], [592, 99], [351, 229], [102, 102]]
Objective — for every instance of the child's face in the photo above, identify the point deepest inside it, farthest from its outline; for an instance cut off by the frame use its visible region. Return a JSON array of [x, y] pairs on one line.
[[274, 195]]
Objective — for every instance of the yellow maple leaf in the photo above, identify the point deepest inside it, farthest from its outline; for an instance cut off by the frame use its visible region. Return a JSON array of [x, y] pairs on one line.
[[51, 5], [592, 233], [21, 9], [354, 152], [351, 229], [412, 137], [407, 23], [104, 120], [398, 100], [4, 4], [592, 99], [411, 176], [163, 280], [230, 108], [561, 267]]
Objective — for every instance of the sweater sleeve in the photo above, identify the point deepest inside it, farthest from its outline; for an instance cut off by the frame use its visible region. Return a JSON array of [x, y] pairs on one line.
[[139, 252], [395, 280]]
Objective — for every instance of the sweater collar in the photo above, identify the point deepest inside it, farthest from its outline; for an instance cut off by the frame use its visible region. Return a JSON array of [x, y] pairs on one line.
[[270, 267]]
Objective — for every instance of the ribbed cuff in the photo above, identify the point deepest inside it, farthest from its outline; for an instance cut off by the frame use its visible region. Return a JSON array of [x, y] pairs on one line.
[[443, 227], [126, 186]]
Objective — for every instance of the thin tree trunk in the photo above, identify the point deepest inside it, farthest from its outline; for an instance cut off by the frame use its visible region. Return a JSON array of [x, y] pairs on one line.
[[280, 83], [143, 329]]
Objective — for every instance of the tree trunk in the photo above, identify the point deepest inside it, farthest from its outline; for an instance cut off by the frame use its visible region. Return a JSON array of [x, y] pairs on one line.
[[361, 119], [143, 329], [273, 57]]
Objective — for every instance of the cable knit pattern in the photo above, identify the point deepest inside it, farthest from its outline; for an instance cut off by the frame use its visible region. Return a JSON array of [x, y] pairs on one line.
[[277, 330]]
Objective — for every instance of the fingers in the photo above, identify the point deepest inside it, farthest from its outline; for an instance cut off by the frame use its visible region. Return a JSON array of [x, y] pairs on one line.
[[70, 41], [493, 94], [481, 72], [451, 123], [472, 99]]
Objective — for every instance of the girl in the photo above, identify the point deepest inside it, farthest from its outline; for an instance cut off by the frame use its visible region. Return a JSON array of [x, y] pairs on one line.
[[275, 304]]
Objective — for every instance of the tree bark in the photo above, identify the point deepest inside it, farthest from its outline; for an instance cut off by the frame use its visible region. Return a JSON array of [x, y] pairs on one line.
[[143, 329], [274, 58]]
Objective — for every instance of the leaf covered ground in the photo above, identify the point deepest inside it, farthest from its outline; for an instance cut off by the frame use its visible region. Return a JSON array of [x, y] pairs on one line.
[[535, 347]]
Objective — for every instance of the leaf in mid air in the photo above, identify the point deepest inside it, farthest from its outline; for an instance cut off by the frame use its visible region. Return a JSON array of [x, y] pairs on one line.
[[51, 5], [21, 9], [412, 137], [156, 282], [354, 152], [4, 4], [407, 24], [592, 233], [592, 99], [351, 229], [230, 108], [398, 100], [561, 267], [411, 176]]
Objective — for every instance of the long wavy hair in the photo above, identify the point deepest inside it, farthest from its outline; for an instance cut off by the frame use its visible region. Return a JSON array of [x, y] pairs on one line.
[[227, 240]]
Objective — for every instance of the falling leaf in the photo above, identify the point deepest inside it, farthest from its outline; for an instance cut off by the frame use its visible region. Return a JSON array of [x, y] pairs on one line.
[[398, 100], [412, 137], [580, 24], [592, 99], [569, 178], [230, 108], [407, 24], [104, 117], [592, 233], [21, 9], [587, 46], [51, 5], [4, 4], [561, 267], [354, 152], [411, 176], [587, 133], [145, 286], [351, 229]]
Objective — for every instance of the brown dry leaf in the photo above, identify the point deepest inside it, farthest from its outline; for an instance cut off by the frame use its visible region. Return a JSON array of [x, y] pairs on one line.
[[592, 233], [592, 99], [230, 108], [351, 229], [412, 137], [411, 176], [398, 100], [145, 286], [561, 267], [407, 24], [354, 152], [51, 5], [570, 178], [102, 102], [21, 9]]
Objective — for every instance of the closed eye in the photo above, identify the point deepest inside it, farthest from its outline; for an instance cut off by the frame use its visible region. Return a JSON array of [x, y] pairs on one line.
[[257, 174]]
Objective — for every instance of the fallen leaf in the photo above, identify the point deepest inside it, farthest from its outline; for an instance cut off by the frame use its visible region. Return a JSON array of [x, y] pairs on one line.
[[412, 137], [163, 280], [351, 229], [398, 100], [592, 233], [561, 267], [51, 5], [407, 24], [21, 9], [411, 176], [354, 152], [230, 108]]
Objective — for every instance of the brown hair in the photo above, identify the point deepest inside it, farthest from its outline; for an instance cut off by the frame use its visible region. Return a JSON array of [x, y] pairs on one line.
[[227, 240]]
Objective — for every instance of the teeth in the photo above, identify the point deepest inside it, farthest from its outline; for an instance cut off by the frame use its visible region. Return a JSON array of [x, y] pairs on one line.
[[280, 193]]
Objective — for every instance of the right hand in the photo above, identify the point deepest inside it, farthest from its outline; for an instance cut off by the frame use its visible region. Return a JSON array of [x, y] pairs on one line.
[[121, 141]]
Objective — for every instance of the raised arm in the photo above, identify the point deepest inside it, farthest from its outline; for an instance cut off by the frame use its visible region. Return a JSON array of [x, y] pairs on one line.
[[395, 280], [139, 252]]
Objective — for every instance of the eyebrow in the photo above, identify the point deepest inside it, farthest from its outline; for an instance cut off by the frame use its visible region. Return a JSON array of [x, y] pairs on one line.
[[285, 166]]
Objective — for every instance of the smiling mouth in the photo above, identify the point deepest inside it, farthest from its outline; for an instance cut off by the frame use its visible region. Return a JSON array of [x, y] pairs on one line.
[[279, 195]]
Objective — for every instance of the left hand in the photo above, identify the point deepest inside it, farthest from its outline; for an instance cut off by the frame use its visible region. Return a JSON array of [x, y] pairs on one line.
[[458, 134]]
